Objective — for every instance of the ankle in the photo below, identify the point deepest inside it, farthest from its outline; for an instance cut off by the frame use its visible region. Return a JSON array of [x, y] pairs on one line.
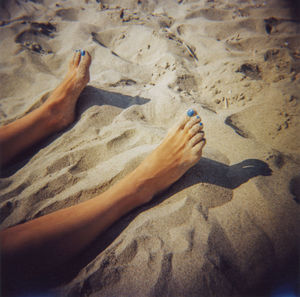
[[143, 186], [60, 106], [51, 117], [133, 188]]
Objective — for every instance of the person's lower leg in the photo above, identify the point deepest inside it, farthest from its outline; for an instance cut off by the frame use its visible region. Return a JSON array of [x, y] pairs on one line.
[[53, 239], [55, 114]]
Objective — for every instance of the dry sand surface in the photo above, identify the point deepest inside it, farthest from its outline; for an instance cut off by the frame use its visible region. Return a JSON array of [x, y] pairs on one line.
[[230, 225]]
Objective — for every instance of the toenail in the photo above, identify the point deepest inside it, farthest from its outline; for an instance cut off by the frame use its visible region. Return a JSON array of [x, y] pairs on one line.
[[77, 50], [197, 117], [190, 112], [200, 124], [82, 52]]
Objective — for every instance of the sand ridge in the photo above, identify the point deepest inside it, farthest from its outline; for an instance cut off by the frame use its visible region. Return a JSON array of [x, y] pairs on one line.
[[229, 226]]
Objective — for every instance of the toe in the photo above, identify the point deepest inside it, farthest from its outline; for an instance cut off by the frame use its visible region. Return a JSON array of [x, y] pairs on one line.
[[196, 139], [72, 60], [77, 58], [86, 60], [192, 122], [83, 68], [185, 119], [199, 146], [194, 130]]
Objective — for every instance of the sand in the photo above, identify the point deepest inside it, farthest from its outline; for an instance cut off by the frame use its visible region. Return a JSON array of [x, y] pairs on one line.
[[230, 225]]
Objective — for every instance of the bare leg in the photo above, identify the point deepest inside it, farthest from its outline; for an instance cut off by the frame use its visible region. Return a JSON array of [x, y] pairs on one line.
[[51, 240], [56, 113]]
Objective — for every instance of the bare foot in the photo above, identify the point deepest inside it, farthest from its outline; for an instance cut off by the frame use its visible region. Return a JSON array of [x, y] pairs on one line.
[[179, 151], [62, 101]]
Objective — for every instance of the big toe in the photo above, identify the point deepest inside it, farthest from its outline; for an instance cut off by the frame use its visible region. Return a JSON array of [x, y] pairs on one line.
[[189, 118], [85, 60], [192, 125], [84, 65]]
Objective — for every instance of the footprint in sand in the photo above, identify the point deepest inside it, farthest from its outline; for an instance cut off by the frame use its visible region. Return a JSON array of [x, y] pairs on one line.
[[186, 82], [123, 43], [212, 14], [250, 70], [69, 14], [35, 38], [274, 25]]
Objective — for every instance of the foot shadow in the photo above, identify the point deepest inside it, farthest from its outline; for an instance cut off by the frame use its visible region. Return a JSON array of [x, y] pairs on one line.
[[233, 176], [90, 96], [208, 171], [205, 171]]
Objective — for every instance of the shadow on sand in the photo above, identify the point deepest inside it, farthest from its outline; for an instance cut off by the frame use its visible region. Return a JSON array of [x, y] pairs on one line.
[[205, 171], [90, 96]]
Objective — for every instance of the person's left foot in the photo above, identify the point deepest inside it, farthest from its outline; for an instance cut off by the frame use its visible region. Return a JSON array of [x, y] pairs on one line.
[[62, 101], [180, 150]]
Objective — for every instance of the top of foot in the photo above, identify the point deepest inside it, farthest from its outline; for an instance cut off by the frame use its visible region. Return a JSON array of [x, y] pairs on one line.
[[79, 67], [180, 150], [62, 101]]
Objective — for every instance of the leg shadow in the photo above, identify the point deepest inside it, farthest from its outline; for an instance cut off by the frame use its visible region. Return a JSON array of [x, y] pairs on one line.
[[90, 96], [205, 171]]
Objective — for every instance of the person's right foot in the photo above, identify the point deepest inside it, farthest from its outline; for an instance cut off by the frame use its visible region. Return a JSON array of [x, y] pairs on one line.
[[63, 100], [179, 151]]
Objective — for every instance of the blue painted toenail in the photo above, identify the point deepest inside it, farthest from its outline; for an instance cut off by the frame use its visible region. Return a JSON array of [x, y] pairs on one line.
[[77, 50], [197, 117], [190, 112], [82, 52], [200, 124]]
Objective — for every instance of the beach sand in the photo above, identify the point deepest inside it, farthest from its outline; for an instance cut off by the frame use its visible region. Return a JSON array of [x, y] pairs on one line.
[[230, 225]]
